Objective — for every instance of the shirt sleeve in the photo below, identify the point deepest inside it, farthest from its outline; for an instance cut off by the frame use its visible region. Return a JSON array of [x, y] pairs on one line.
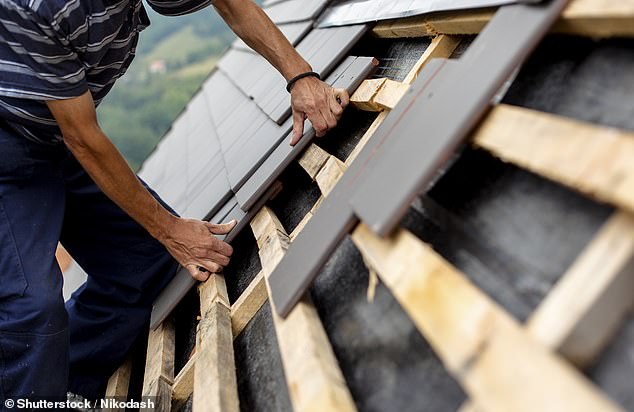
[[178, 7], [36, 62]]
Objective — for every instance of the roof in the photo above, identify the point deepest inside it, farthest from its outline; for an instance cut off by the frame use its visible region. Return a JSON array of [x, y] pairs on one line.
[[530, 219]]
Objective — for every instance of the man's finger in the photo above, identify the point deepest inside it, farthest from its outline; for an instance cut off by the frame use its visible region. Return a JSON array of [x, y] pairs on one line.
[[342, 97], [218, 258], [223, 228], [329, 117], [209, 265], [336, 108], [319, 124], [298, 126], [197, 273], [218, 246]]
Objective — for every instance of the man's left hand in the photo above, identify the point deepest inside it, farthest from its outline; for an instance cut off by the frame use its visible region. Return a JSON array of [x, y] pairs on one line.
[[316, 101]]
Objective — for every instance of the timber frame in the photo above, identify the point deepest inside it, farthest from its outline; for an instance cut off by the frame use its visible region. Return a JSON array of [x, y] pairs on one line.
[[472, 335]]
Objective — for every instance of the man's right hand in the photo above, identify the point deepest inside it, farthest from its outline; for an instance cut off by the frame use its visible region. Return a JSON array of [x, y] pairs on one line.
[[193, 244]]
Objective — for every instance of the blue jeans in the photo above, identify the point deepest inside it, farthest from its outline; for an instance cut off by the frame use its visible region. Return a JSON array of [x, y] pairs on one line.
[[47, 347]]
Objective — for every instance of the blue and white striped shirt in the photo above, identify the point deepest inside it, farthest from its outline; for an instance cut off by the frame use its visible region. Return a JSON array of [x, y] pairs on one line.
[[59, 49]]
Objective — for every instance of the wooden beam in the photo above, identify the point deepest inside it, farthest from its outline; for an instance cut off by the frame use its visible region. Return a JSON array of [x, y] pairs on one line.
[[595, 160], [313, 377], [184, 384], [248, 304], [159, 366], [119, 383], [330, 174], [376, 95], [440, 47], [390, 94], [451, 23], [498, 364], [585, 308], [363, 97], [313, 159], [373, 97], [215, 383], [604, 18]]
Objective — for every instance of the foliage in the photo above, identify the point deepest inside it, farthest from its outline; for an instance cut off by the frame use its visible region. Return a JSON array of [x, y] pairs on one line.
[[142, 105]]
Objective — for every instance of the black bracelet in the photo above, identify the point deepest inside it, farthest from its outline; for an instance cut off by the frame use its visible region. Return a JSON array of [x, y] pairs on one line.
[[292, 81]]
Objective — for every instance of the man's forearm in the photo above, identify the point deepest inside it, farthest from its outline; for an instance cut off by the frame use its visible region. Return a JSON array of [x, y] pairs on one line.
[[253, 26], [103, 162]]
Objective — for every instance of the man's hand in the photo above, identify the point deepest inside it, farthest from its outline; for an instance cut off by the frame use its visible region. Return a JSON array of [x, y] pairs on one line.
[[316, 101], [193, 244], [310, 98]]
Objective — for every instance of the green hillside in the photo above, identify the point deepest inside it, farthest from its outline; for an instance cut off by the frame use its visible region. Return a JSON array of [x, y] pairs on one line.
[[143, 103]]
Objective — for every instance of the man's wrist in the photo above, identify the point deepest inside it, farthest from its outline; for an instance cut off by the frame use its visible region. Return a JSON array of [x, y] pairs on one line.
[[163, 224], [300, 77], [297, 69]]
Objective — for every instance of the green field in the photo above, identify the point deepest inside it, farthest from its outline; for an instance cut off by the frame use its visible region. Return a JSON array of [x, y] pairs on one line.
[[142, 105]]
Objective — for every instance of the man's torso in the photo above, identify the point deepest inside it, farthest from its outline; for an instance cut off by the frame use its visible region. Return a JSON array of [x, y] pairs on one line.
[[102, 34]]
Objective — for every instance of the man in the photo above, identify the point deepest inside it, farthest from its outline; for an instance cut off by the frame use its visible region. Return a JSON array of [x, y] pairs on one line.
[[61, 179]]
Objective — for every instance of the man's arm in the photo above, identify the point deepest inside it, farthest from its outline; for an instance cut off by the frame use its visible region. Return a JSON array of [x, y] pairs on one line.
[[191, 242], [310, 97]]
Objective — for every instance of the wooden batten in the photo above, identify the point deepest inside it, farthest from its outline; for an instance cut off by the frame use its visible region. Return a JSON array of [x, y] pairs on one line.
[[363, 97], [382, 97], [215, 383], [605, 18], [594, 160], [584, 309], [159, 366], [248, 304], [476, 340], [330, 174], [314, 379], [441, 46], [313, 159], [587, 306]]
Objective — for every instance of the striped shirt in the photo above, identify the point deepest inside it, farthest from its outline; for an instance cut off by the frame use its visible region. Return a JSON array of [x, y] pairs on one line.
[[59, 49]]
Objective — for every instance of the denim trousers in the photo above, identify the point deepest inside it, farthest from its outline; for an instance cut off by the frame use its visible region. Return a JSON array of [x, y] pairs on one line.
[[48, 347]]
